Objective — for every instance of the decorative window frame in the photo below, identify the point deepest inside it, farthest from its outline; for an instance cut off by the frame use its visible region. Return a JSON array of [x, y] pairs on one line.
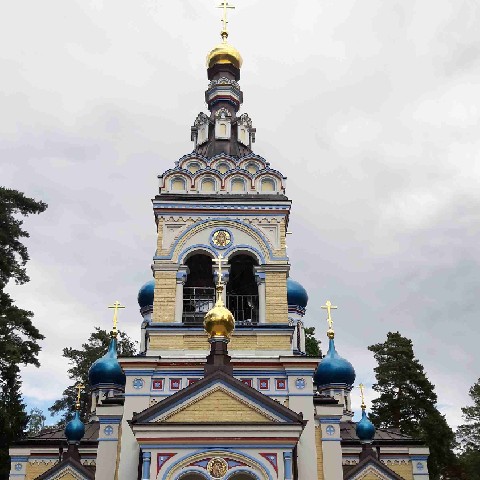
[[173, 179], [260, 381], [161, 389], [208, 179], [176, 379], [279, 382]]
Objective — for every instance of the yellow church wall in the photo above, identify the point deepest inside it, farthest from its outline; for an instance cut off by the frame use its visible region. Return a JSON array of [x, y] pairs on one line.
[[240, 342], [217, 407], [67, 476], [160, 223], [34, 470], [276, 307], [283, 238], [318, 443], [371, 476], [405, 470], [164, 298]]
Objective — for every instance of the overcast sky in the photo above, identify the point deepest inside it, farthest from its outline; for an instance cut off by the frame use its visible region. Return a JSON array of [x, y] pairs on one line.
[[370, 108]]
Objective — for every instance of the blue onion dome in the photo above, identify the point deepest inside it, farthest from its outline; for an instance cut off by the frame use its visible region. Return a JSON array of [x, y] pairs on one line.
[[296, 294], [145, 294], [365, 428], [107, 370], [75, 429], [333, 369]]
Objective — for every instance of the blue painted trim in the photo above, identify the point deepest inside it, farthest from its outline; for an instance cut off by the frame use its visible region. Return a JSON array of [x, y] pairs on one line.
[[291, 373], [331, 439], [218, 446], [24, 458], [419, 457], [209, 220], [136, 373], [334, 420], [108, 439], [111, 420], [288, 465], [223, 448], [147, 394]]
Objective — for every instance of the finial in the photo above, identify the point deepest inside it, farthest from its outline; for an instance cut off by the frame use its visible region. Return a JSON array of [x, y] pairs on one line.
[[329, 307], [79, 389], [115, 307], [362, 387], [219, 287], [225, 5]]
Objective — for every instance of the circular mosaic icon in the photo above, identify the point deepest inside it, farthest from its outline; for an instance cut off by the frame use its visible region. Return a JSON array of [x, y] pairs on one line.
[[221, 238], [330, 430], [420, 466], [138, 383], [18, 467], [217, 467], [108, 430], [300, 383]]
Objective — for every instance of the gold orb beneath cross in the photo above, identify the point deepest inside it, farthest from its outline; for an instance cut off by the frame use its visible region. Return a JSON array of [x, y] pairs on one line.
[[224, 53], [219, 321]]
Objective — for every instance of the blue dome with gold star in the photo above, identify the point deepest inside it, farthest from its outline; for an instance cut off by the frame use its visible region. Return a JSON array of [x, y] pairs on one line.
[[296, 294], [333, 369], [75, 429], [107, 370], [145, 294], [365, 428]]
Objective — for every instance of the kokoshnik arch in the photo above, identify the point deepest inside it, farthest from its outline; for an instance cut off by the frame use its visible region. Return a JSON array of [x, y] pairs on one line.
[[222, 387]]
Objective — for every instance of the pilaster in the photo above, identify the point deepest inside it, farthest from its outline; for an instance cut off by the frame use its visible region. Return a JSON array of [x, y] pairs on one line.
[[276, 307], [164, 303]]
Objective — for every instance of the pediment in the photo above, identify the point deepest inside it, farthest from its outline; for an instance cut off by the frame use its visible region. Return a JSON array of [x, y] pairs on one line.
[[371, 469], [218, 398], [68, 469]]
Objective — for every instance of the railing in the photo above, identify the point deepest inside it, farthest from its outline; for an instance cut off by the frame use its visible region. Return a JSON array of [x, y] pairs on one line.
[[197, 301], [244, 308]]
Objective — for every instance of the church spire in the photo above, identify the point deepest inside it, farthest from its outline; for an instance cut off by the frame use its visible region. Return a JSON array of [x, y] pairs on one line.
[[222, 131]]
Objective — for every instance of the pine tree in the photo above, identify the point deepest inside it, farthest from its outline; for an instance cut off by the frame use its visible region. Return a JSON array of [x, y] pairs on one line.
[[469, 435], [36, 421], [407, 401], [312, 345], [80, 362], [18, 335]]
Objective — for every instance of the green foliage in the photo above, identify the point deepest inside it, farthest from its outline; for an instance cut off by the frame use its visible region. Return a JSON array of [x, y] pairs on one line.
[[407, 401], [80, 361], [312, 345], [18, 335], [468, 435], [36, 421]]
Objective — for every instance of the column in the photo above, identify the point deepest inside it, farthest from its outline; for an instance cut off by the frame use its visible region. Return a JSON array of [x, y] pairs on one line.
[[181, 278], [260, 278], [288, 465], [301, 330], [146, 460]]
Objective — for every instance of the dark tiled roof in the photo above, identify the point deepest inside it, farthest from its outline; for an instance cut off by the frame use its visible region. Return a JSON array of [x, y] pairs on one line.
[[56, 435], [348, 434]]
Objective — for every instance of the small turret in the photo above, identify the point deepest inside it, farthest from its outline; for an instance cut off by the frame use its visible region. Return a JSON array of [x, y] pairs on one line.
[[365, 428]]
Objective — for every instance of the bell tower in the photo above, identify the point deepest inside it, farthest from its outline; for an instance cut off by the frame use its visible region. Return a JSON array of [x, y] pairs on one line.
[[221, 200]]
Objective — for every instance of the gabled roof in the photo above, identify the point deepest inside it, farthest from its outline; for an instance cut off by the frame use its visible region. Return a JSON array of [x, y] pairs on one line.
[[371, 464], [221, 389], [383, 436], [68, 466], [56, 436]]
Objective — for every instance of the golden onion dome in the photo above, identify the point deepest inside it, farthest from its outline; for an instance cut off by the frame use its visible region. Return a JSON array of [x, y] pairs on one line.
[[224, 53], [219, 321]]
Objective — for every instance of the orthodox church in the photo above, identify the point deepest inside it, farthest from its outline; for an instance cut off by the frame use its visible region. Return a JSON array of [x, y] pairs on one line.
[[222, 387]]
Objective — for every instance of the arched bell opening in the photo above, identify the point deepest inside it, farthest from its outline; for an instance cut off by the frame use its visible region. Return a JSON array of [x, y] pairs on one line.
[[242, 289], [242, 476], [199, 289], [192, 476]]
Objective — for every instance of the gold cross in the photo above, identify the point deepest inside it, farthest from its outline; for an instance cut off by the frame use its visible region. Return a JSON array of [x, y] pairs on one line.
[[361, 387], [224, 20], [115, 306], [79, 389], [328, 306], [219, 260]]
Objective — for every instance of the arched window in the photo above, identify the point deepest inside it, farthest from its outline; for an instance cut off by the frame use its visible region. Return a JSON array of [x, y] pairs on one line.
[[267, 185], [208, 185], [179, 184], [242, 289], [223, 167], [238, 185], [252, 168], [199, 289], [193, 167]]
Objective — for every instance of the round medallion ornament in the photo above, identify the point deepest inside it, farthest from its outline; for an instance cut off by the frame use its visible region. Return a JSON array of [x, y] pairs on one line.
[[221, 238], [300, 383], [18, 467], [108, 430], [330, 430], [138, 383], [217, 467], [420, 466]]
